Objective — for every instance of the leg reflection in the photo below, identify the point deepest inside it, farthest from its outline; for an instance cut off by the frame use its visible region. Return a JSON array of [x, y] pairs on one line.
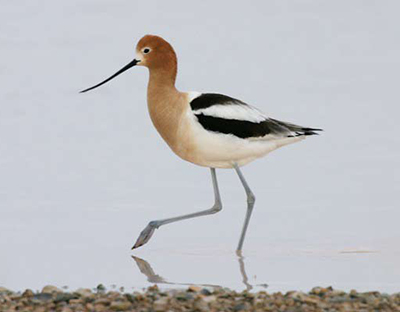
[[243, 270], [146, 269]]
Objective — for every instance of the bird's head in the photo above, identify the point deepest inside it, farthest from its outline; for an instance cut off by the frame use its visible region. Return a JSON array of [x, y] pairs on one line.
[[152, 52]]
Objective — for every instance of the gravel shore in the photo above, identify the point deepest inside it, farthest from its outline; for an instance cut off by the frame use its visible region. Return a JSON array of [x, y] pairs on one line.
[[195, 299]]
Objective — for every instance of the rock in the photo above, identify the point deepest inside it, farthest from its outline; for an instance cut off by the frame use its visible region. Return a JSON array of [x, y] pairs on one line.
[[182, 297], [201, 305], [113, 294], [28, 293], [353, 293], [297, 295], [160, 304], [42, 297], [205, 292], [209, 299], [131, 298], [338, 299], [103, 301], [100, 308], [259, 302], [310, 300], [335, 292], [194, 288], [4, 290], [84, 292], [239, 307], [319, 291], [4, 299], [68, 297], [120, 305], [49, 289], [101, 288], [153, 288]]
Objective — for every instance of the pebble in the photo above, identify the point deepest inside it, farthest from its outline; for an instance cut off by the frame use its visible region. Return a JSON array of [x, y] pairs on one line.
[[4, 290], [120, 305], [101, 288], [205, 292], [319, 291], [49, 289], [210, 299], [84, 292], [43, 297], [160, 304], [28, 293], [68, 297], [103, 301], [239, 307], [201, 305], [194, 288]]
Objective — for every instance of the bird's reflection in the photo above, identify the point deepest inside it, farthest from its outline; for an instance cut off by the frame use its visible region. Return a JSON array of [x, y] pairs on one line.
[[146, 269], [243, 270]]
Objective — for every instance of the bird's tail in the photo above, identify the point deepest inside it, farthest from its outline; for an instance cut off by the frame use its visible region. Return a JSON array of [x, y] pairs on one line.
[[297, 130]]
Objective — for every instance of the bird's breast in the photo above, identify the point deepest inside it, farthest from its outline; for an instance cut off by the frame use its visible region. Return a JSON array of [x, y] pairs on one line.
[[169, 117]]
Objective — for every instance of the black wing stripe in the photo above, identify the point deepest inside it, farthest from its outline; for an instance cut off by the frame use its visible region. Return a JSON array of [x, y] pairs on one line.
[[206, 100], [240, 128]]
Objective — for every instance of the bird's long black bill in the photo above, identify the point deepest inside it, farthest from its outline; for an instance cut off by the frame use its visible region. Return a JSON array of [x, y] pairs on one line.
[[125, 68]]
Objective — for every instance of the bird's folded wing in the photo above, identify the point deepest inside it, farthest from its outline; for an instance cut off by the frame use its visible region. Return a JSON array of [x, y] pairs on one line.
[[223, 114]]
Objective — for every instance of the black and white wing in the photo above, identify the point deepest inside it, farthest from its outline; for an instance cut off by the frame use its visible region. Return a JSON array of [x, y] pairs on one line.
[[223, 114]]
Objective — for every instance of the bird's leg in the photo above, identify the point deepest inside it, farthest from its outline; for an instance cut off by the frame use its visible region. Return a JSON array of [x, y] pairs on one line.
[[251, 199], [146, 234]]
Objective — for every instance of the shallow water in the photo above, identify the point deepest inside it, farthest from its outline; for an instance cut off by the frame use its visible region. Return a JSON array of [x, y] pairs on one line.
[[81, 175]]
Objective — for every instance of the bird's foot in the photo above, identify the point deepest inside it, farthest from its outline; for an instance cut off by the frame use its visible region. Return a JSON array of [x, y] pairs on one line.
[[146, 234]]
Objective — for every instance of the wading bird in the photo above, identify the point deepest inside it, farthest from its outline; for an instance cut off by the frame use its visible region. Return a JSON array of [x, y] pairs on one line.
[[207, 129]]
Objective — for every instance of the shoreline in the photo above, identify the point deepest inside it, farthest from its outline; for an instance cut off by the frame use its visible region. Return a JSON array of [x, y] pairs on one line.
[[195, 298]]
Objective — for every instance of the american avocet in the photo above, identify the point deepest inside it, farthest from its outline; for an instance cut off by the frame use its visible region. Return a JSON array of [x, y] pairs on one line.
[[207, 129]]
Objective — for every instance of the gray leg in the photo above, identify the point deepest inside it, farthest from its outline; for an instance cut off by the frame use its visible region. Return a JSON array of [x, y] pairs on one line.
[[251, 199], [146, 234]]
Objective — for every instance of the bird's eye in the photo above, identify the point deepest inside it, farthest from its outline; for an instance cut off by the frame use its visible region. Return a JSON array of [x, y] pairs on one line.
[[146, 50]]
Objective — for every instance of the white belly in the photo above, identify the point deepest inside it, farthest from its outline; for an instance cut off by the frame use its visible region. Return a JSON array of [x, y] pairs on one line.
[[212, 149]]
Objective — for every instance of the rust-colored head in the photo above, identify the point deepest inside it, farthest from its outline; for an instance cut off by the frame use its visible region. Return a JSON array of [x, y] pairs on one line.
[[157, 55]]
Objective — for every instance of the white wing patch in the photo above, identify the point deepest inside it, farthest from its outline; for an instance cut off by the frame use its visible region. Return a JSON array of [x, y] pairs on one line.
[[233, 111]]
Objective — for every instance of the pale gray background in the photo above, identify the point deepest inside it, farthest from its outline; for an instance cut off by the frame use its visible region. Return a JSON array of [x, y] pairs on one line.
[[82, 174]]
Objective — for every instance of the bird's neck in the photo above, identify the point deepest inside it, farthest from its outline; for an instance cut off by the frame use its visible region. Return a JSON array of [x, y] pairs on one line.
[[166, 104], [164, 75], [161, 88]]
